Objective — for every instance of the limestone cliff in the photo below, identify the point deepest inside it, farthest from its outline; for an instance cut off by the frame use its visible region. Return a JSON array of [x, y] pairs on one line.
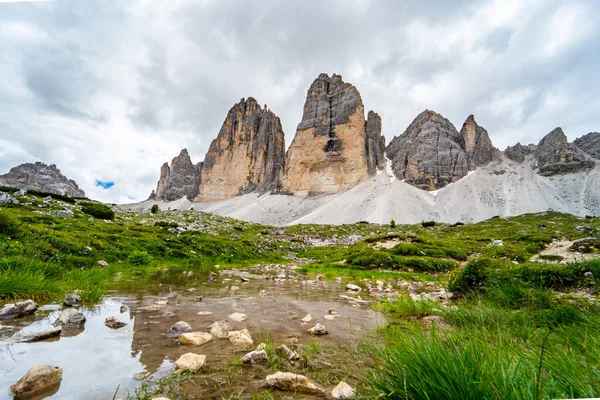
[[428, 154], [590, 144], [554, 155], [476, 142], [181, 179], [334, 147], [41, 177], [247, 155]]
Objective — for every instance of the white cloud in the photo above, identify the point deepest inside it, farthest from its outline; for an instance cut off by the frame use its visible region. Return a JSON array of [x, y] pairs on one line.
[[110, 90]]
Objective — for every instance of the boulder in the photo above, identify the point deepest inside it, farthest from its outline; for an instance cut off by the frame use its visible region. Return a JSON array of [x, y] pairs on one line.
[[190, 362], [584, 245], [36, 380], [5, 198], [428, 154], [195, 338], [178, 328], [63, 214], [334, 148], [343, 391], [36, 336], [41, 177], [255, 357], [241, 340], [72, 300], [248, 154], [19, 309], [292, 382], [71, 318], [114, 323], [353, 288], [288, 353], [307, 318], [220, 329], [238, 317], [318, 330], [181, 179]]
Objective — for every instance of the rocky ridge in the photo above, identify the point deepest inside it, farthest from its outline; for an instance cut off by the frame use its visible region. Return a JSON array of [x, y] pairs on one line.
[[335, 149], [555, 155], [590, 144], [41, 177]]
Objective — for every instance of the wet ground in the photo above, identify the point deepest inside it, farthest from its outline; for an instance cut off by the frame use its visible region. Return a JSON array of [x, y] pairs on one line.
[[97, 360]]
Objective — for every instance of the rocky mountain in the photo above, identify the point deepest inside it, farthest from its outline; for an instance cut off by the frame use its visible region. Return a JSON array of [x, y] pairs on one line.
[[181, 179], [555, 155], [41, 177], [476, 142], [428, 154], [334, 148], [590, 144], [518, 152], [248, 154], [339, 169]]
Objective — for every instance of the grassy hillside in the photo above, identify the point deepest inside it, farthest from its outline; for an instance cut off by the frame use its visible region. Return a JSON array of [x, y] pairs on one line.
[[515, 329]]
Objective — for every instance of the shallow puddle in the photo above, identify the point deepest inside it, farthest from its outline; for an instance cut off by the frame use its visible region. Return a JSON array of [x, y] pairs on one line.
[[97, 359]]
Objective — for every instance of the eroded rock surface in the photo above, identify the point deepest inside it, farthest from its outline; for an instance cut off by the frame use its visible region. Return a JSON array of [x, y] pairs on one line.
[[181, 179], [248, 154], [292, 382], [334, 148], [590, 144], [428, 154], [554, 155], [518, 152], [476, 142], [41, 177]]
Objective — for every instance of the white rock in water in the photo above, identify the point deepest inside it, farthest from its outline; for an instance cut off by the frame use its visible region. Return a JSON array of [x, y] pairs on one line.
[[352, 287], [318, 329], [19, 309], [292, 382], [220, 329], [70, 317], [36, 379], [241, 340], [195, 338], [307, 319], [343, 391], [238, 317], [190, 362], [178, 328]]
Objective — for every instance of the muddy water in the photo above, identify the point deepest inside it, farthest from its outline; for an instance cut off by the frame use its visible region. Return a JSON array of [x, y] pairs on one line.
[[97, 359]]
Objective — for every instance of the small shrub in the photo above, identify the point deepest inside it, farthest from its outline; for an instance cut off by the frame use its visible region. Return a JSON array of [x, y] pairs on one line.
[[98, 210], [407, 249], [472, 277], [425, 264], [427, 224], [370, 259], [55, 196], [456, 224], [8, 224], [139, 258], [8, 189], [154, 209], [165, 224], [392, 224]]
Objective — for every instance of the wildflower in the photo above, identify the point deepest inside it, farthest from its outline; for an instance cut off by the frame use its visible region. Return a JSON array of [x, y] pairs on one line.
[[587, 274]]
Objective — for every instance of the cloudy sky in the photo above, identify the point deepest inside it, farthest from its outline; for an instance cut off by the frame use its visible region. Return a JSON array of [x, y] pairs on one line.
[[110, 89]]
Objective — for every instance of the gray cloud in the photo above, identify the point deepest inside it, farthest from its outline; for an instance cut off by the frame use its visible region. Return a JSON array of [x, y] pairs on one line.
[[109, 90]]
